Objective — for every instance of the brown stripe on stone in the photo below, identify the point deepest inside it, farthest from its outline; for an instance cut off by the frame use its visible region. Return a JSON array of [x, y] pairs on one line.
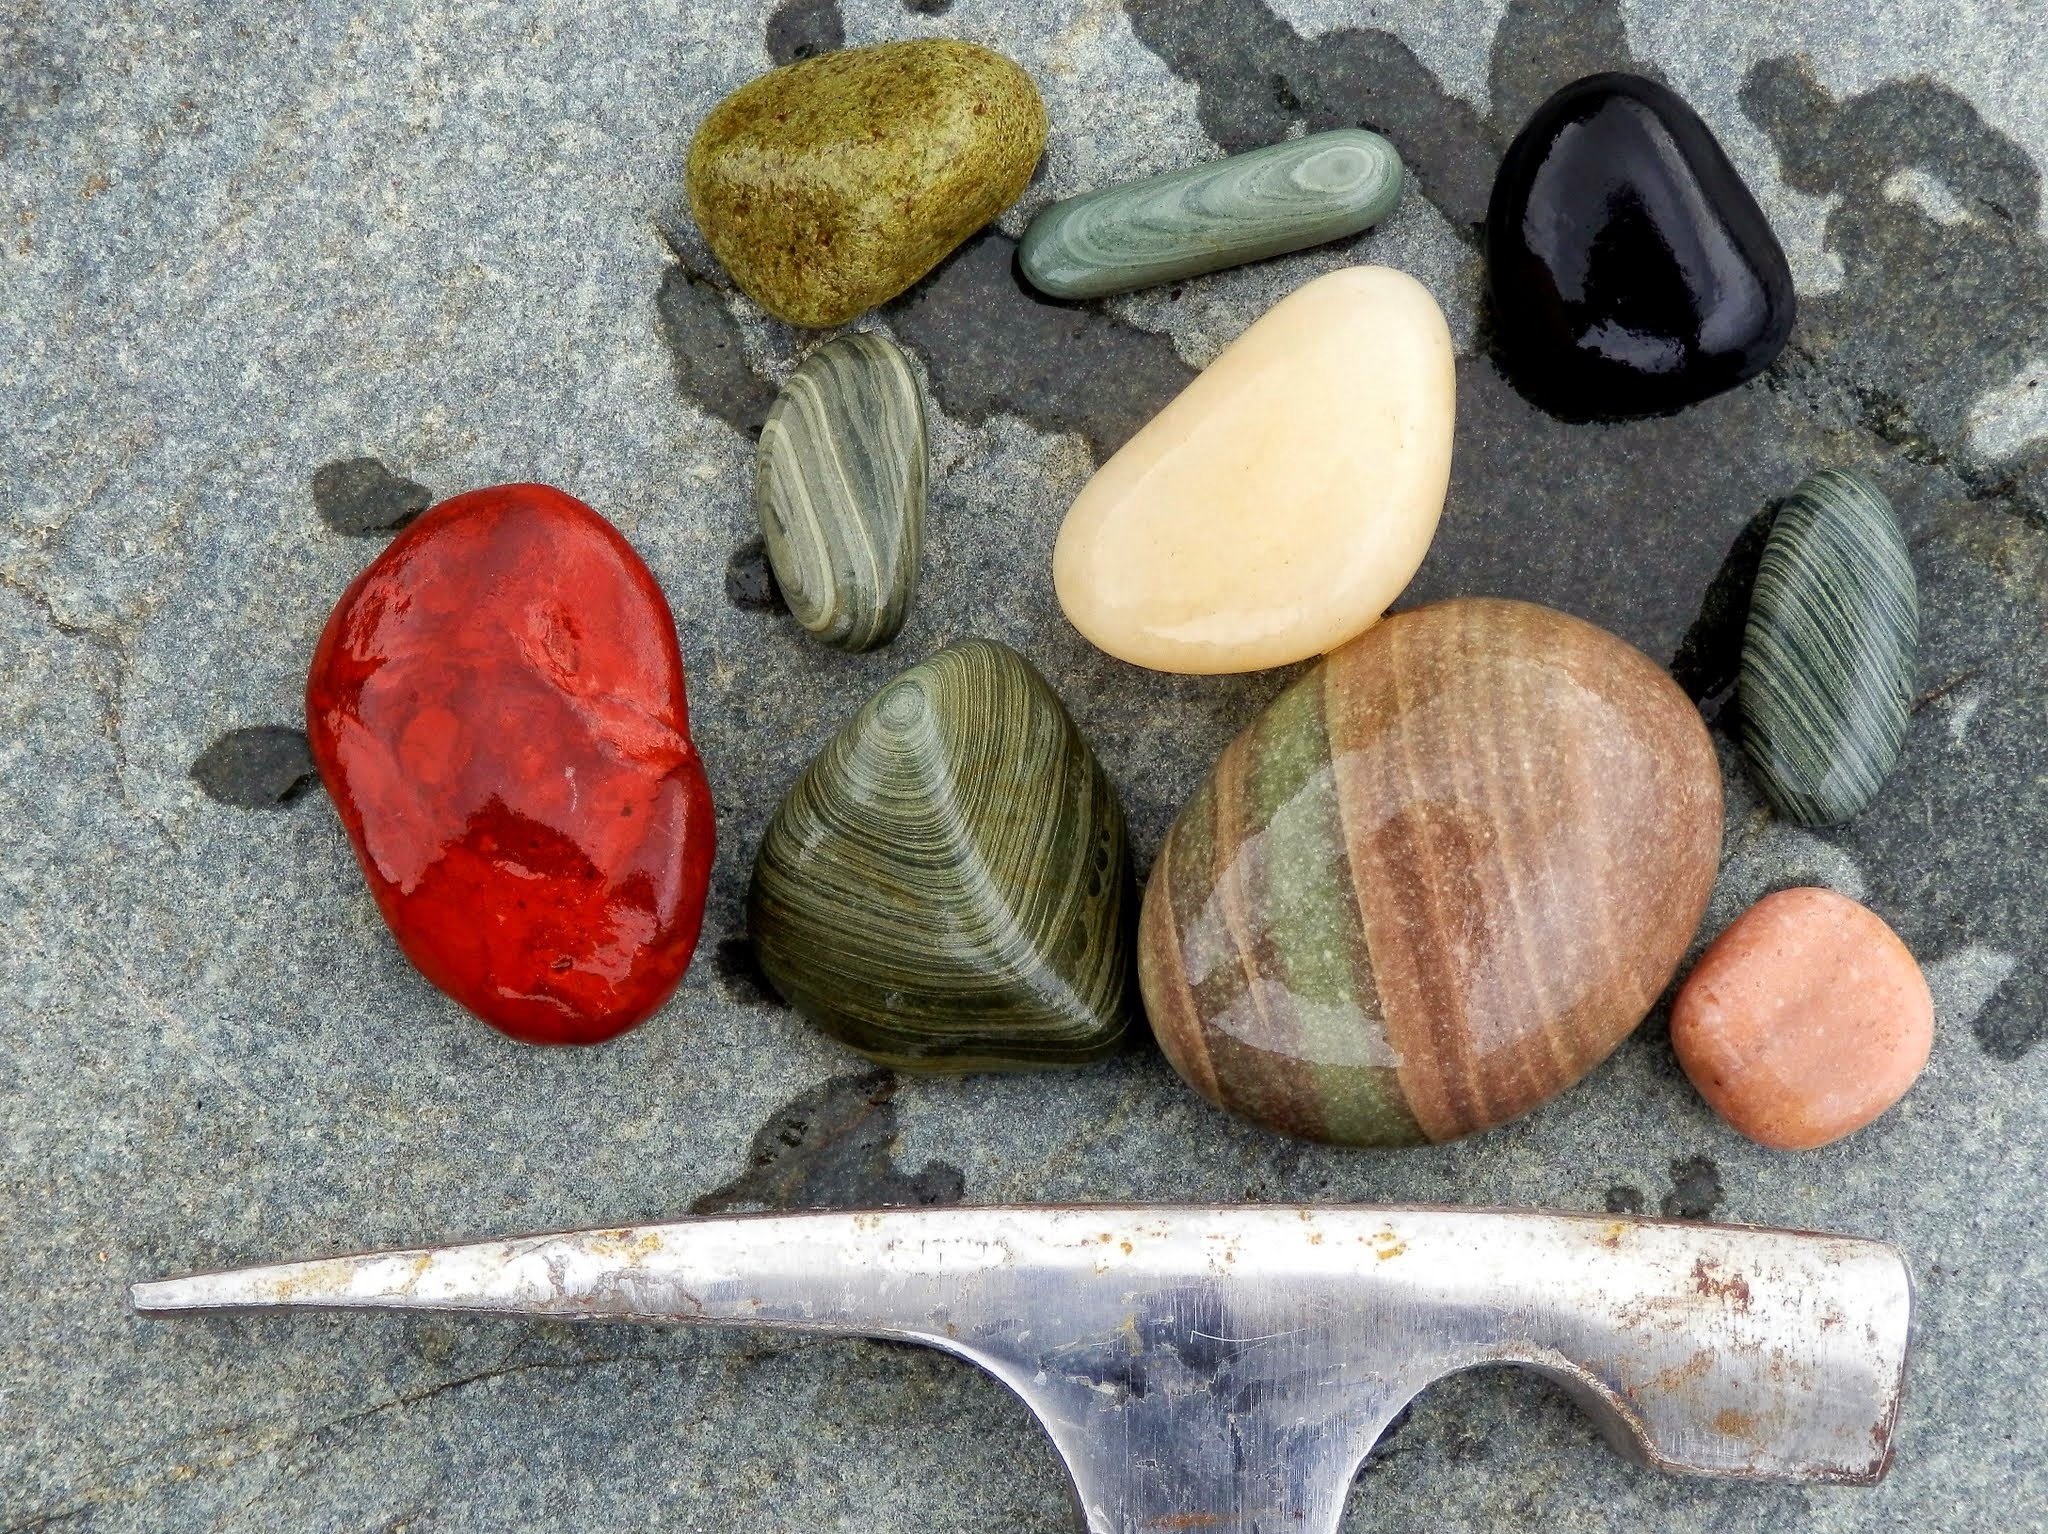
[[1162, 976], [1531, 809], [1386, 840], [1538, 1067]]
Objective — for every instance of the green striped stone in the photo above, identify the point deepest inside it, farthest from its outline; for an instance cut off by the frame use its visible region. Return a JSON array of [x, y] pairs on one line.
[[948, 886], [1828, 657], [1247, 207], [840, 490]]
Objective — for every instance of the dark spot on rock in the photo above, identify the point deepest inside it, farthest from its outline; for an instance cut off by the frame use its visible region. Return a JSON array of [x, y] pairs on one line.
[[833, 1147], [1464, 1446], [1914, 370], [803, 29], [992, 346], [733, 961], [35, 77], [1542, 46], [2007, 1026], [1709, 658], [750, 583], [359, 496], [928, 7], [705, 345], [1622, 1199], [1695, 1189], [260, 768], [1257, 76]]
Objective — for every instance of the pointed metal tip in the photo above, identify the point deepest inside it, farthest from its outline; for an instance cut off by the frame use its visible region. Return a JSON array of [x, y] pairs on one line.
[[339, 1281], [201, 1291]]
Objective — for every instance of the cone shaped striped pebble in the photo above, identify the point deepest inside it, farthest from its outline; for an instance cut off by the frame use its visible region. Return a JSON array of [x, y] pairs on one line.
[[1830, 650], [1284, 498], [832, 184], [948, 886], [840, 490], [1265, 202], [1436, 882]]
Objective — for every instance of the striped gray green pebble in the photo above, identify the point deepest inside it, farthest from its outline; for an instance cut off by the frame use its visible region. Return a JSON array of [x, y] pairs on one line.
[[948, 886], [1829, 653], [840, 480], [1247, 207]]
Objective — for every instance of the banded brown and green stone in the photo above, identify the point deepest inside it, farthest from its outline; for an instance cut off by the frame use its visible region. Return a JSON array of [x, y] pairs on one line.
[[1436, 882]]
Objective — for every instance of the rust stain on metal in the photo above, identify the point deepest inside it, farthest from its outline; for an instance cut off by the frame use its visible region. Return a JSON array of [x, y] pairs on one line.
[[1680, 1375], [626, 1245], [1731, 1423], [1734, 1288]]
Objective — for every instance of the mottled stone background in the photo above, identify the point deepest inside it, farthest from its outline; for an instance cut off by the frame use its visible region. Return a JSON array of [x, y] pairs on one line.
[[245, 240]]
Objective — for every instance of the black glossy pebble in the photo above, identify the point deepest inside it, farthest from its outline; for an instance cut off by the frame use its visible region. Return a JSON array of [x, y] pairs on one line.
[[1631, 271]]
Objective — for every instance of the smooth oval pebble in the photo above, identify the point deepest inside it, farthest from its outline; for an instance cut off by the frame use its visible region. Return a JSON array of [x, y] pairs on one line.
[[830, 185], [840, 490], [1277, 505], [496, 706], [948, 886], [1804, 1021], [1632, 272], [1436, 882], [1830, 650], [1246, 207]]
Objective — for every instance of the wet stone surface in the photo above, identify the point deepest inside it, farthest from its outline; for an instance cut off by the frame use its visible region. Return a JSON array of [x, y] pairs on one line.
[[242, 248]]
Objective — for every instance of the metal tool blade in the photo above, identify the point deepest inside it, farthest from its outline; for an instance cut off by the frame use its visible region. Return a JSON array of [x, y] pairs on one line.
[[1229, 1368]]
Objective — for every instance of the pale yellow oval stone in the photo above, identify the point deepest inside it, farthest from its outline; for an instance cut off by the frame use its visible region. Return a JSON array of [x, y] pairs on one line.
[[1284, 498]]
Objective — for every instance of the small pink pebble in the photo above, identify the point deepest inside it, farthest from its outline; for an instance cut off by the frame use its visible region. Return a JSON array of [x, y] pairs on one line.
[[1804, 1021]]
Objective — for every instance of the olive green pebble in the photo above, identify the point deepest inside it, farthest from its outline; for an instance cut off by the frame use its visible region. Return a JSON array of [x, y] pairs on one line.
[[1246, 207], [840, 490], [948, 887], [1829, 654], [830, 185]]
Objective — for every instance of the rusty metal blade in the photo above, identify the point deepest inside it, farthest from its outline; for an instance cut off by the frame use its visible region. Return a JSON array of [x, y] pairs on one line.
[[1228, 1368]]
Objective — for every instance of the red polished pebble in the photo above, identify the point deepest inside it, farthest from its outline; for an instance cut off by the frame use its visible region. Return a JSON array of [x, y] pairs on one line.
[[496, 706]]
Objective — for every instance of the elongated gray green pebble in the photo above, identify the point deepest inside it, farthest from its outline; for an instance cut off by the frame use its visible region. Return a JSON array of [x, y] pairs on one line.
[[1262, 203], [840, 490], [1828, 657]]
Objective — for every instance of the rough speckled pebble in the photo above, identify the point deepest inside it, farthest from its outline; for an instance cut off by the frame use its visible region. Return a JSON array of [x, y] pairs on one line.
[[1828, 656], [832, 184], [1264, 202], [840, 490]]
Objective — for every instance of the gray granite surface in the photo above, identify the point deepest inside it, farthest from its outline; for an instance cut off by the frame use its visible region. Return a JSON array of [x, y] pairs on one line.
[[241, 241]]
